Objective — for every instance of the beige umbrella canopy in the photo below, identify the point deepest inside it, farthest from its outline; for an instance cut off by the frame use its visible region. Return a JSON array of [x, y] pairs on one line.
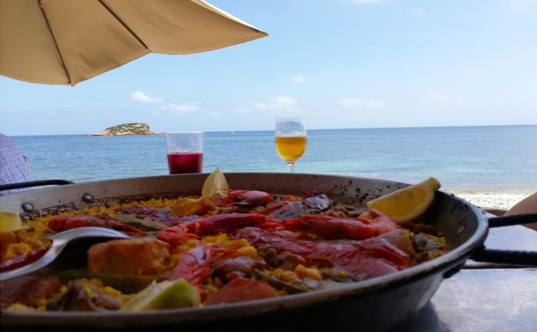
[[69, 41]]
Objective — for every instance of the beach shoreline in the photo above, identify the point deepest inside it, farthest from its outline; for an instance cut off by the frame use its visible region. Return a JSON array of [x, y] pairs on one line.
[[491, 199]]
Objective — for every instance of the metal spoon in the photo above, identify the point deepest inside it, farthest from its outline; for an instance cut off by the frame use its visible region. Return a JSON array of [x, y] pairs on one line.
[[59, 241]]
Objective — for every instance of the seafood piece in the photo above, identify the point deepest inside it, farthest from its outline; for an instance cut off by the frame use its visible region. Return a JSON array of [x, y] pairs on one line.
[[64, 222], [372, 224], [193, 266], [231, 268], [221, 223], [280, 259], [290, 287], [87, 295], [418, 228], [428, 247], [359, 259], [316, 202], [144, 256], [74, 299], [27, 290], [240, 289], [243, 198], [187, 206], [290, 208], [400, 238], [283, 210], [162, 216], [142, 224]]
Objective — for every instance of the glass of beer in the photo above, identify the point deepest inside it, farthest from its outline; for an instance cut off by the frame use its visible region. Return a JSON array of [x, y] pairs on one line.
[[290, 140], [185, 151]]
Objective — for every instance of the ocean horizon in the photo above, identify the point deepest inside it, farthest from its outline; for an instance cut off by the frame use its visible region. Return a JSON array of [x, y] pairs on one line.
[[159, 133], [480, 158]]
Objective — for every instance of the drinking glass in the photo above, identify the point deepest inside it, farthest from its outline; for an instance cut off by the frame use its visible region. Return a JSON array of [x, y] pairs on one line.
[[290, 140], [185, 151]]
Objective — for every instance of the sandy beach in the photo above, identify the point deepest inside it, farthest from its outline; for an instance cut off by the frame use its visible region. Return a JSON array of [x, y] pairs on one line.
[[495, 200]]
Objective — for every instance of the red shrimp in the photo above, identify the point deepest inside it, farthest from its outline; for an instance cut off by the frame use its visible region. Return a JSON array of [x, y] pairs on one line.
[[193, 266], [222, 223], [244, 198], [373, 224], [65, 222], [359, 259]]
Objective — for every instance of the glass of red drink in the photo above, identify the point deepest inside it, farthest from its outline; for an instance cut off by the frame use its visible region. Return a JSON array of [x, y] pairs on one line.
[[185, 151]]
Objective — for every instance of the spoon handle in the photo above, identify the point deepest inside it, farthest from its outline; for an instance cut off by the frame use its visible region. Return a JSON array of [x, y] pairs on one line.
[[59, 241], [45, 260]]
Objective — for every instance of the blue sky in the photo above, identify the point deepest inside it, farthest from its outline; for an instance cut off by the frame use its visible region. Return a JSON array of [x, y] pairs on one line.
[[338, 63]]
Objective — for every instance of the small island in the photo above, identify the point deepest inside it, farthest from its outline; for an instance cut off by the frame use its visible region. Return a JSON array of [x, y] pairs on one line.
[[127, 129]]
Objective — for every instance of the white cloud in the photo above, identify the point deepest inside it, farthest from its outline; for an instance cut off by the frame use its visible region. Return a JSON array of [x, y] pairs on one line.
[[278, 103], [419, 12], [359, 103], [299, 79], [526, 8], [192, 107], [142, 97]]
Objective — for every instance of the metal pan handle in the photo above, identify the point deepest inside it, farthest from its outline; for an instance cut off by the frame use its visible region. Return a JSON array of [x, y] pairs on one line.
[[527, 258], [516, 219], [31, 184]]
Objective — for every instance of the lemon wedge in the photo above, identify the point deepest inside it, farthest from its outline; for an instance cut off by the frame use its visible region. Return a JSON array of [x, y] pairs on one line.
[[10, 221], [164, 295], [408, 203], [214, 184]]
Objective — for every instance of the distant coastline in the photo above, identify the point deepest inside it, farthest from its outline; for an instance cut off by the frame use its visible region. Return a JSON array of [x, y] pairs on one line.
[[127, 129]]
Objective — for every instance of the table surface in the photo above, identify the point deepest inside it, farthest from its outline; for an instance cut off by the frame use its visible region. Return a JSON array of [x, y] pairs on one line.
[[485, 297]]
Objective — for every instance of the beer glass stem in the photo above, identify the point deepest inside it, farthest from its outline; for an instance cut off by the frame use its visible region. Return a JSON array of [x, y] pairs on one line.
[[290, 167]]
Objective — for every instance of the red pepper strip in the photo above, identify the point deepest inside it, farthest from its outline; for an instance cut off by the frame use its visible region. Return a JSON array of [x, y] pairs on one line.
[[343, 228], [360, 259], [22, 260], [193, 266]]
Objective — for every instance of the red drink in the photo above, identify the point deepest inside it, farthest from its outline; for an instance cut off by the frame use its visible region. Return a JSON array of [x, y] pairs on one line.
[[185, 162]]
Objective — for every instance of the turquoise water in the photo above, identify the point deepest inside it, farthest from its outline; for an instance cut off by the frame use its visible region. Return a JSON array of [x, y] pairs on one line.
[[461, 158]]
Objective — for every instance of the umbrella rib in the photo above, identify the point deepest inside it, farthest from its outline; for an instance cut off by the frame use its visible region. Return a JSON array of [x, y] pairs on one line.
[[54, 39], [123, 23]]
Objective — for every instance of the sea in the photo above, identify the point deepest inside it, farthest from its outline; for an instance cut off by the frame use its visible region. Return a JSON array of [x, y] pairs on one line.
[[480, 158]]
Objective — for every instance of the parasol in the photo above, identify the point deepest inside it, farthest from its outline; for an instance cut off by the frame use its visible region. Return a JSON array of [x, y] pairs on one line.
[[66, 41]]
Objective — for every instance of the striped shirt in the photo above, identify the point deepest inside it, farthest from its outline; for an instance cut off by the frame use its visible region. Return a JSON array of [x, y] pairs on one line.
[[14, 167]]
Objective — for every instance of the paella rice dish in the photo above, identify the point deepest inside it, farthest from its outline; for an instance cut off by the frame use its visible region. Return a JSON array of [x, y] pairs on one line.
[[238, 245]]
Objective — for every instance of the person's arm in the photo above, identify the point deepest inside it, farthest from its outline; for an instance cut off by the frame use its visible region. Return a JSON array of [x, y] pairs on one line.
[[527, 205]]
